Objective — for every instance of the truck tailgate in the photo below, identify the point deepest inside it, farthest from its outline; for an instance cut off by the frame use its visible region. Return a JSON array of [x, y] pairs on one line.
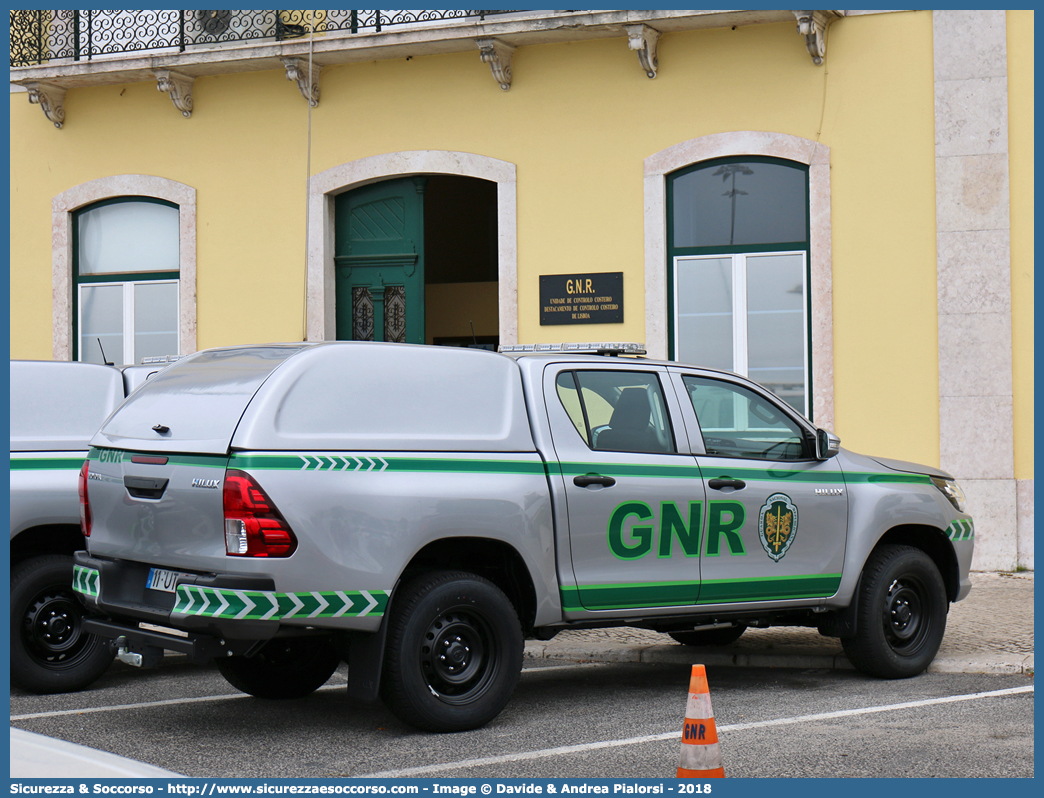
[[165, 510]]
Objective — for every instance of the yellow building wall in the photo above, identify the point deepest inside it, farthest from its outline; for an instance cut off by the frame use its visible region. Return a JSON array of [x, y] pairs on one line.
[[578, 122], [1020, 159]]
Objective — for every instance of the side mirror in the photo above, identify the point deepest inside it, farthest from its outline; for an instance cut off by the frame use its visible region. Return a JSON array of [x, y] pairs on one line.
[[827, 444]]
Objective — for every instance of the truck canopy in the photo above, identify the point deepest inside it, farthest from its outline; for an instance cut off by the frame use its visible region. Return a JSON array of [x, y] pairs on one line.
[[194, 405], [331, 396], [57, 405], [345, 396]]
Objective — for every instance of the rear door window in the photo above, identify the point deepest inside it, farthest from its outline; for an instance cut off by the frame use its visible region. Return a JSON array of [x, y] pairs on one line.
[[622, 411]]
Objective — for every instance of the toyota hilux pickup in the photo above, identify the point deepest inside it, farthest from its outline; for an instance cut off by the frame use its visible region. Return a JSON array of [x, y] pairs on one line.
[[56, 406], [419, 511]]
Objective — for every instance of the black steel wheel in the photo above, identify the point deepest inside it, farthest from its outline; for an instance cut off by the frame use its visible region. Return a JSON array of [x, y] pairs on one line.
[[710, 637], [49, 651], [453, 654], [901, 614], [287, 667]]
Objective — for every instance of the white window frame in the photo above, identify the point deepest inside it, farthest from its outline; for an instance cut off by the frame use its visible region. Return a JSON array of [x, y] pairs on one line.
[[740, 363], [129, 356]]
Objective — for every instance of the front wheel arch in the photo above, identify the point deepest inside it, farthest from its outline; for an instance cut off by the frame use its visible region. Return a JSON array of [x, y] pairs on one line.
[[933, 542], [900, 608]]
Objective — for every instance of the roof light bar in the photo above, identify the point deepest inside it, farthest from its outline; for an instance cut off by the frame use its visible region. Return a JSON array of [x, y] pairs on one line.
[[160, 360], [602, 348]]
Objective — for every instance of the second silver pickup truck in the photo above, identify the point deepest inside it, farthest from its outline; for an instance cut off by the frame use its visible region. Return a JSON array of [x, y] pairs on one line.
[[419, 511], [56, 406]]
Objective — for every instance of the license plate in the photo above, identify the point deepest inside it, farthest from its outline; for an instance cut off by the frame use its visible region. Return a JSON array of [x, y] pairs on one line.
[[159, 579]]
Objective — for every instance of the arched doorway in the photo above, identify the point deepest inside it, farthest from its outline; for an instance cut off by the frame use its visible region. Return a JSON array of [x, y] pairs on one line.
[[416, 261], [324, 189]]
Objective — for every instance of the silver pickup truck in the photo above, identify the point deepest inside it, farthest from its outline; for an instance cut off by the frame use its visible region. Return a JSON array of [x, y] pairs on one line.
[[419, 511], [55, 409]]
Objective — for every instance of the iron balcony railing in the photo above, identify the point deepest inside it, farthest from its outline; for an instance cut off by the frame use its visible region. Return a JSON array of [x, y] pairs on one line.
[[39, 37]]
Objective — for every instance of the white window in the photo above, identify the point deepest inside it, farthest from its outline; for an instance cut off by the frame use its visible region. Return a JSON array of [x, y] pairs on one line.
[[126, 263], [746, 313], [124, 322]]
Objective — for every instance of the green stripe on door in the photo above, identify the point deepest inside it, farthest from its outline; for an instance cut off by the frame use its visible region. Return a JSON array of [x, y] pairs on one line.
[[716, 591], [781, 588]]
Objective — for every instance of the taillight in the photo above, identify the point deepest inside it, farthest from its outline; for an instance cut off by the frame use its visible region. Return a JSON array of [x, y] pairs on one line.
[[85, 505], [253, 525]]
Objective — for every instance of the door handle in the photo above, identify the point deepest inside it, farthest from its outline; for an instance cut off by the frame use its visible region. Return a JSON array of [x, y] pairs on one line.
[[593, 479], [726, 482], [145, 487]]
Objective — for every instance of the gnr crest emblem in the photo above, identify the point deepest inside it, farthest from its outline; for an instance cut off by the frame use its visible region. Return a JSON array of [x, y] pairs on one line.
[[777, 525]]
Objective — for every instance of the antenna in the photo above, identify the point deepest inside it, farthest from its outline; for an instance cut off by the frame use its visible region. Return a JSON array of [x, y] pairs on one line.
[[105, 360], [474, 340]]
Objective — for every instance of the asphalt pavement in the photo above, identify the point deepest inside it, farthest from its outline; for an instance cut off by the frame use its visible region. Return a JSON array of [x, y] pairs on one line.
[[990, 631]]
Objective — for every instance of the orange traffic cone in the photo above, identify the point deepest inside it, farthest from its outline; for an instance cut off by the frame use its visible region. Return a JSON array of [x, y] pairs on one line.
[[700, 754]]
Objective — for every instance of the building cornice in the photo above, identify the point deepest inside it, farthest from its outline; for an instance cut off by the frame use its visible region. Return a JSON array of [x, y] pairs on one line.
[[331, 49]]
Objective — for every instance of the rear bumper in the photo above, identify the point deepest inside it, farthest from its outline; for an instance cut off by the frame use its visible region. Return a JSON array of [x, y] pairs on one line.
[[205, 608], [203, 604]]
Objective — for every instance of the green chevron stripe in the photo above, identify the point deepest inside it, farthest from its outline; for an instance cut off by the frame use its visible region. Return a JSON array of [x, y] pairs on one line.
[[46, 463], [361, 463], [713, 591], [86, 581], [961, 529], [253, 605]]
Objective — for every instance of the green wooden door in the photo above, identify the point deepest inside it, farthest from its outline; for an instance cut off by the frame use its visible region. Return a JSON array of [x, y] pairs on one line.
[[379, 260]]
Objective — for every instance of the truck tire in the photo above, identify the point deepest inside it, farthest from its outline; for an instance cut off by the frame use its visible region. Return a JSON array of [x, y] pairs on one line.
[[900, 614], [290, 667], [710, 637], [49, 652], [453, 654]]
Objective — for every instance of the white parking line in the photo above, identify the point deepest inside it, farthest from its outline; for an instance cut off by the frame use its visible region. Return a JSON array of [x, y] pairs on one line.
[[204, 699], [165, 703], [652, 738]]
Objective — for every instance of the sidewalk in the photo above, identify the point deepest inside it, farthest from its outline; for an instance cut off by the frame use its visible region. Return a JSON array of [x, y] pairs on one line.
[[991, 631]]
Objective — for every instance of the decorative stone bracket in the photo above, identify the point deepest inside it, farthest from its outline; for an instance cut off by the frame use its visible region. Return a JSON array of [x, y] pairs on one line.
[[297, 71], [50, 98], [179, 86], [643, 39], [812, 25], [498, 55]]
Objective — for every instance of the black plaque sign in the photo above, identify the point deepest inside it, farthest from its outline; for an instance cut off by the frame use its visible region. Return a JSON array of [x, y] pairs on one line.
[[581, 298]]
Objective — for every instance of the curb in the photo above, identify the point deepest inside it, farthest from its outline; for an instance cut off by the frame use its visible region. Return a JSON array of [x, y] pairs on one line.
[[989, 663]]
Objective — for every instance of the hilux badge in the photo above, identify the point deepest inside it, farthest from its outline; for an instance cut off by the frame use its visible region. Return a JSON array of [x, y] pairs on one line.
[[206, 483], [777, 525]]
